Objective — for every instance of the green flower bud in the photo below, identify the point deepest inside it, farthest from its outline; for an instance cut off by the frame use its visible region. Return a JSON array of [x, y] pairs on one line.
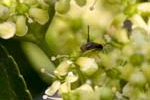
[[130, 91], [39, 15], [81, 2], [7, 29], [106, 93], [53, 88], [137, 79], [130, 10], [63, 68], [22, 8], [4, 12], [87, 65], [136, 59], [126, 71], [21, 27], [122, 36], [62, 6], [43, 4], [85, 87], [146, 71], [127, 50], [127, 89]]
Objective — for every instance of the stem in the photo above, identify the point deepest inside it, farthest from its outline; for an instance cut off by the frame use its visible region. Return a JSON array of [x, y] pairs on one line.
[[44, 46]]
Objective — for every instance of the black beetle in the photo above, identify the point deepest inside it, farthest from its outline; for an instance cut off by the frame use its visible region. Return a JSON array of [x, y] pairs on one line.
[[90, 45]]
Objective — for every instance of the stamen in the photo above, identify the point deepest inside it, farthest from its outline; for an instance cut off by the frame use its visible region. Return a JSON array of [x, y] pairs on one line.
[[44, 71], [52, 98]]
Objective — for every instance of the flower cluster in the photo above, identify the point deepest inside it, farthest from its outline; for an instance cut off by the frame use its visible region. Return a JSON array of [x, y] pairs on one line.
[[120, 72], [15, 15]]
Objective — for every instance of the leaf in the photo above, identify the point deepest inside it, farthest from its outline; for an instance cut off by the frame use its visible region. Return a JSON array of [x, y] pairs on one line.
[[12, 84]]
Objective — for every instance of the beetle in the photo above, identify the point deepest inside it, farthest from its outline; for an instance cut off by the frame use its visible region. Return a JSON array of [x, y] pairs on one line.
[[127, 24], [90, 45]]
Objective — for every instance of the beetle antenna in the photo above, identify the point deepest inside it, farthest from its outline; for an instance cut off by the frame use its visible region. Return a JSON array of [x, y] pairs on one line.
[[88, 31]]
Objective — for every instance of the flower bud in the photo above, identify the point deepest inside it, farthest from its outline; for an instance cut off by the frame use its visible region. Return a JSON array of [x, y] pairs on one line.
[[7, 29], [136, 59], [53, 88], [21, 27], [4, 12], [81, 2], [122, 36], [85, 87], [126, 71], [105, 93], [137, 79], [22, 8], [39, 15], [87, 65], [63, 68], [62, 6], [146, 71]]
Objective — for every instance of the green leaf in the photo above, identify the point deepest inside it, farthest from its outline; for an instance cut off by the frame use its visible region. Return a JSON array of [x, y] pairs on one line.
[[12, 84]]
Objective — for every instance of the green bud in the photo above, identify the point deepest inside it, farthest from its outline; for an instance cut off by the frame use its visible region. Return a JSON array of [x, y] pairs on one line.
[[137, 79], [43, 4], [127, 50], [126, 71], [81, 2], [127, 89], [87, 65], [106, 93], [62, 6], [4, 12], [53, 88], [22, 8], [21, 27], [118, 20], [39, 15], [7, 29], [136, 59], [85, 87], [63, 68], [146, 71], [130, 10], [122, 36], [138, 37]]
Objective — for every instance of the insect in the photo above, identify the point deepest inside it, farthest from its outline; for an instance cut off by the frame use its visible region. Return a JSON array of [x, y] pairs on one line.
[[90, 45], [127, 24]]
